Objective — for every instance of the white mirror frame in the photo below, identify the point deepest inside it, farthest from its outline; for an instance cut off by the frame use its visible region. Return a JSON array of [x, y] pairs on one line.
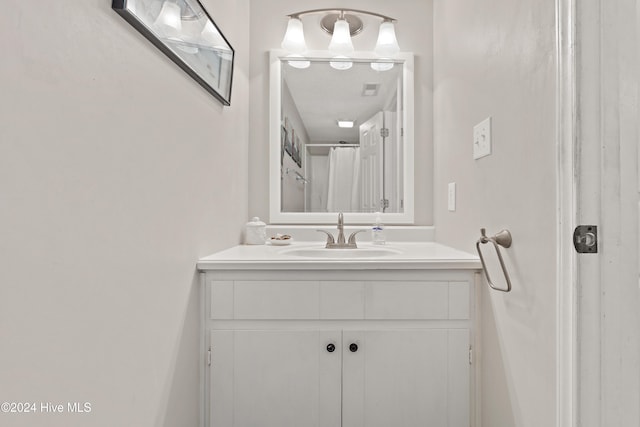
[[275, 101]]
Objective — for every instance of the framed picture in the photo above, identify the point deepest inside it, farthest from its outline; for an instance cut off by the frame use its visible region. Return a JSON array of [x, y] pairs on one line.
[[286, 142], [184, 31], [296, 151]]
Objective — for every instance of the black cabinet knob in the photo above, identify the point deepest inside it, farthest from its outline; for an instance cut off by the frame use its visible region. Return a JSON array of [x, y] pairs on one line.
[[353, 347], [331, 348]]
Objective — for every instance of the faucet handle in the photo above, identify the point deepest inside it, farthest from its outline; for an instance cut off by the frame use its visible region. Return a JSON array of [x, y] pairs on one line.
[[352, 237], [330, 239]]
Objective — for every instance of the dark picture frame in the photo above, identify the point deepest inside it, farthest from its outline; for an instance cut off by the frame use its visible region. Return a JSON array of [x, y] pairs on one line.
[[190, 39], [286, 141], [295, 155]]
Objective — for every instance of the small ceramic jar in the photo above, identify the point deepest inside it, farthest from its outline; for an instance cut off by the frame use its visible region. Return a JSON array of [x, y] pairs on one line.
[[255, 232]]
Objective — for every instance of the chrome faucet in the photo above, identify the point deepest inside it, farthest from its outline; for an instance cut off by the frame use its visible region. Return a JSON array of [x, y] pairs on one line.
[[341, 244], [340, 229]]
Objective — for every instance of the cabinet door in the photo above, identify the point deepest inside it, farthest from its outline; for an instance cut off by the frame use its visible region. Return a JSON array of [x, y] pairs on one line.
[[406, 378], [275, 378]]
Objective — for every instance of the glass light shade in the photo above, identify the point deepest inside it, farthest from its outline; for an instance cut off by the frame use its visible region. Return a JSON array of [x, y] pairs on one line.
[[298, 61], [382, 66], [168, 20], [341, 40], [294, 37], [341, 65], [387, 44]]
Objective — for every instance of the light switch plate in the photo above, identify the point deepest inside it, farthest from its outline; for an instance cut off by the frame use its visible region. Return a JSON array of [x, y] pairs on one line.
[[452, 197], [482, 139]]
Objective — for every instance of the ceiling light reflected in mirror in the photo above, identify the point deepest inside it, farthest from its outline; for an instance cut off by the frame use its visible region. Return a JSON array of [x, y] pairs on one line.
[[345, 123]]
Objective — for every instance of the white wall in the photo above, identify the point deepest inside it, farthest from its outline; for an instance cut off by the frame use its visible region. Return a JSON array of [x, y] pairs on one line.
[[414, 33], [496, 58], [292, 189], [117, 172]]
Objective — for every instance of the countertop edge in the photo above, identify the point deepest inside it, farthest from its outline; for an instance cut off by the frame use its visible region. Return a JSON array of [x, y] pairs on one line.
[[417, 256], [341, 265]]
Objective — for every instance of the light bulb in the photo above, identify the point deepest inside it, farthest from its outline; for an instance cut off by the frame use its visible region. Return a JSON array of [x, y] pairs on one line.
[[341, 40], [294, 37], [341, 64], [387, 44]]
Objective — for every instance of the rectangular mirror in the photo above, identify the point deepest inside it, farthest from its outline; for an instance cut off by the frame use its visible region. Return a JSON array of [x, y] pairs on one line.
[[184, 31], [341, 135]]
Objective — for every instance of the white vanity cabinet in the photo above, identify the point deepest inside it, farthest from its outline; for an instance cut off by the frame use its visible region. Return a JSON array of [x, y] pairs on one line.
[[331, 348]]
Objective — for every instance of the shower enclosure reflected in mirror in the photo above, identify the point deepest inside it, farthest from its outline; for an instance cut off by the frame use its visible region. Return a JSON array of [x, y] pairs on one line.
[[341, 139]]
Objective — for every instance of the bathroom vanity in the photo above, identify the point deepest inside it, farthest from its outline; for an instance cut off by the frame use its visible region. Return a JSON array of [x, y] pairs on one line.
[[306, 336]]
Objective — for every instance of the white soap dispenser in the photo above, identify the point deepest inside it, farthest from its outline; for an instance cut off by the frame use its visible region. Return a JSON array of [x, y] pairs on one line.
[[255, 232], [377, 231]]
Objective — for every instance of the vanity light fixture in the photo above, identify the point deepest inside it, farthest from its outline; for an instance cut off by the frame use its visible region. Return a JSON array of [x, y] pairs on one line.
[[345, 123], [342, 24]]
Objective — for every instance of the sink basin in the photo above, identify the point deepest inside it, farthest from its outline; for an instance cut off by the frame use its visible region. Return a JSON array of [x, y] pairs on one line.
[[341, 253]]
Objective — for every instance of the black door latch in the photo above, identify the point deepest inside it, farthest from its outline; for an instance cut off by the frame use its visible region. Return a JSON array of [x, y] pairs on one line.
[[585, 239]]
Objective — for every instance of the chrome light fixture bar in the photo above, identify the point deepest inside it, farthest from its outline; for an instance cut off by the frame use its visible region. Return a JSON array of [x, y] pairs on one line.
[[342, 24]]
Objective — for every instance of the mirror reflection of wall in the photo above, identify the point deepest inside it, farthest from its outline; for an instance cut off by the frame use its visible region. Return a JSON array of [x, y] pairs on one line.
[[342, 138], [294, 139]]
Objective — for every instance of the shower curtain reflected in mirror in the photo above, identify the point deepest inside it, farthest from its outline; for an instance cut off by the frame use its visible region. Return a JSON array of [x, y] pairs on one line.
[[344, 174]]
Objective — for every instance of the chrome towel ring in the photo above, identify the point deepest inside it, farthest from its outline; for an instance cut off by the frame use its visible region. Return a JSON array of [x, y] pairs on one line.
[[503, 238]]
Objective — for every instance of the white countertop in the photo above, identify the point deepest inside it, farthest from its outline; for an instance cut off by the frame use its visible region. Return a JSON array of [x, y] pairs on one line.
[[408, 255]]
